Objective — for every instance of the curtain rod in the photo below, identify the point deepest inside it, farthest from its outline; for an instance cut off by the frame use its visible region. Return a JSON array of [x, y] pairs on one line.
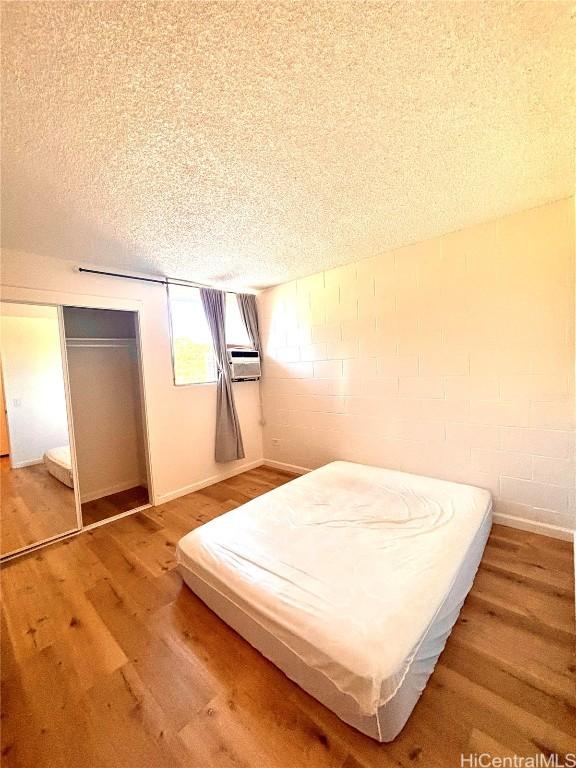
[[158, 280]]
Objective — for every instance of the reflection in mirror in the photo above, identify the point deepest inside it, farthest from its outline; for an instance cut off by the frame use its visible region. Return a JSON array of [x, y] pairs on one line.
[[38, 500]]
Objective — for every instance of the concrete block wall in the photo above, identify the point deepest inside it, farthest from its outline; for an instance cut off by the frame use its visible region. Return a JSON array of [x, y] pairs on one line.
[[452, 357]]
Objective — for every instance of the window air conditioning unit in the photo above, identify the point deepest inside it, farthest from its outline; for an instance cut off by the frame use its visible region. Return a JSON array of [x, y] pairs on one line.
[[244, 364]]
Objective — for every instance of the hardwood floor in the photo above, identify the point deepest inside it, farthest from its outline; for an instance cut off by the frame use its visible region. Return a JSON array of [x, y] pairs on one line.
[[115, 504], [108, 660], [34, 506]]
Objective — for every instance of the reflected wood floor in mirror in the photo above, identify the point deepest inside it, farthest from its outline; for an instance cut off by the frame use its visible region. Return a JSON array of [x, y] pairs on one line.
[[108, 506], [35, 506], [111, 662]]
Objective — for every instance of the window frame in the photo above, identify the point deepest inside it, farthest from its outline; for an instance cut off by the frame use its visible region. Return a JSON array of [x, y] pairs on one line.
[[211, 382], [175, 383], [237, 346]]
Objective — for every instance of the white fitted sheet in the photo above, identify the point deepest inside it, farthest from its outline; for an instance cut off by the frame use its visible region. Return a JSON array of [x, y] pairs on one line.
[[59, 463], [349, 578]]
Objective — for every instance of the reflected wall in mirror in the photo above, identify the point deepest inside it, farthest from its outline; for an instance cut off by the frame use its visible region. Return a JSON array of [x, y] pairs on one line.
[[105, 388], [38, 500]]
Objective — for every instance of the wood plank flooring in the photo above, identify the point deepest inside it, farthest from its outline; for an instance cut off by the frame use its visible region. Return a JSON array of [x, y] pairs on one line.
[[108, 506], [108, 660], [34, 506]]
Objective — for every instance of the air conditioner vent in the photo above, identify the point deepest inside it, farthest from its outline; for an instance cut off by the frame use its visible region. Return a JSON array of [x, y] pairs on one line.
[[244, 364]]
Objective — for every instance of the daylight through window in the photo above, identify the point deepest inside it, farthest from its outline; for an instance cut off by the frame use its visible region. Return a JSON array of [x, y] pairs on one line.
[[192, 350]]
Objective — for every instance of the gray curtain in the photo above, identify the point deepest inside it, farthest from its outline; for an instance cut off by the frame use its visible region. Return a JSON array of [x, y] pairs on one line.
[[247, 305], [229, 446], [249, 312]]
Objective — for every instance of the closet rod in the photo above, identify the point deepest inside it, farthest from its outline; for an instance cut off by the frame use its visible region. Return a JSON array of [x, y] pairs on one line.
[[158, 280], [103, 345], [93, 341]]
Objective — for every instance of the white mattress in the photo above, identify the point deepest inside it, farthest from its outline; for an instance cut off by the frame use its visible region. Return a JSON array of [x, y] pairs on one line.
[[59, 463], [349, 578]]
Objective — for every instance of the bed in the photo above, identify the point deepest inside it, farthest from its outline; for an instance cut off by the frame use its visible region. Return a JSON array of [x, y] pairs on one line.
[[349, 579], [59, 463]]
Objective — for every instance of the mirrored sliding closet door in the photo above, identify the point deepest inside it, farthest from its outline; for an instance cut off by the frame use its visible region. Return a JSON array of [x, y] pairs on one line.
[[37, 474], [107, 407]]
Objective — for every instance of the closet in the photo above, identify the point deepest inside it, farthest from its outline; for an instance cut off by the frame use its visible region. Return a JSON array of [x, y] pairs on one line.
[[107, 412], [76, 452]]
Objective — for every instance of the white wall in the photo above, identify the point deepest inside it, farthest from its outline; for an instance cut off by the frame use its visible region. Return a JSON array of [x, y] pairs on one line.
[[452, 358], [34, 385], [181, 419], [108, 433]]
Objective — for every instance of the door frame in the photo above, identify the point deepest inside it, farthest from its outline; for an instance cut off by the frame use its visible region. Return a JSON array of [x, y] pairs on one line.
[[5, 455], [140, 362]]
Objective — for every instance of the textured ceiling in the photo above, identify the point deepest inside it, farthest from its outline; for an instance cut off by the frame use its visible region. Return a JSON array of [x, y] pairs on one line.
[[256, 142]]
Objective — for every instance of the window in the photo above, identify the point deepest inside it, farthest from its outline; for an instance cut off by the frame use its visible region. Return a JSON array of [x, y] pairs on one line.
[[192, 350], [236, 333]]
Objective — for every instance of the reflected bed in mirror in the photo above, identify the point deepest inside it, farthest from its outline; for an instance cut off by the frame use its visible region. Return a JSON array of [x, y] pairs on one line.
[[58, 462], [38, 499]]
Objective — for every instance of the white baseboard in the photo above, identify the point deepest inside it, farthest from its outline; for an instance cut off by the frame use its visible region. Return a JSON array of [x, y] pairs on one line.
[[99, 494], [544, 529], [162, 498], [286, 467], [30, 463]]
